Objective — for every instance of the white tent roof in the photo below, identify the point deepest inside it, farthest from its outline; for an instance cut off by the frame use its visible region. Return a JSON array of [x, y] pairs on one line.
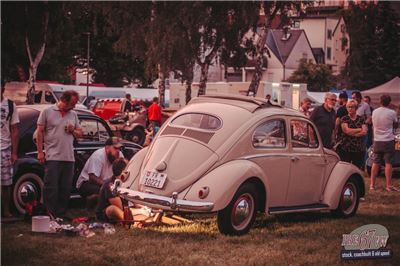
[[391, 88]]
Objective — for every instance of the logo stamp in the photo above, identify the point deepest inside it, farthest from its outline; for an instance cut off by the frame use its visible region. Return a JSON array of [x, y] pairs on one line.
[[366, 242]]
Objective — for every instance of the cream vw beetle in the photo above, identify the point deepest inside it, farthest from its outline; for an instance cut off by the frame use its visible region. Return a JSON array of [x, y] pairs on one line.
[[237, 155]]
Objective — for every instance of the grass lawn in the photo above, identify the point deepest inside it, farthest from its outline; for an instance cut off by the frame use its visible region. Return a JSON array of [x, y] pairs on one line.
[[301, 239]]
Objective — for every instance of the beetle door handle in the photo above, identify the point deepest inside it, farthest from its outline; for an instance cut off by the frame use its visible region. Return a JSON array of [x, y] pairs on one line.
[[294, 158]]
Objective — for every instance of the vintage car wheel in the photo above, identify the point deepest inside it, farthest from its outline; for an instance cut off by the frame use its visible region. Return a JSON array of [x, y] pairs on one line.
[[137, 135], [349, 199], [239, 215], [28, 187]]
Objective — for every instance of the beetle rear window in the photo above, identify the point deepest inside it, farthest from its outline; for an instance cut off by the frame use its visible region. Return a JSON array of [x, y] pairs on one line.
[[199, 121]]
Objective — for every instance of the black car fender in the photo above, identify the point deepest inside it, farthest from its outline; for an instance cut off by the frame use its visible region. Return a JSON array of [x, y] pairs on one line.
[[27, 165]]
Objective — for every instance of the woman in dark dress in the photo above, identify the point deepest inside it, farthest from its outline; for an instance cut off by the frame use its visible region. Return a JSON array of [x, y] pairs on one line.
[[354, 129]]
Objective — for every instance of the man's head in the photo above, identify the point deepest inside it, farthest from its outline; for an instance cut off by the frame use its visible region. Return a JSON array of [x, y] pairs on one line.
[[306, 103], [68, 100], [128, 96], [367, 99], [385, 100], [330, 101], [356, 95], [343, 98], [268, 97], [113, 147], [155, 100], [118, 166]]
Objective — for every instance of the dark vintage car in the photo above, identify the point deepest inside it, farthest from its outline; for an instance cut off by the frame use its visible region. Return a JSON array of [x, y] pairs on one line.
[[29, 173]]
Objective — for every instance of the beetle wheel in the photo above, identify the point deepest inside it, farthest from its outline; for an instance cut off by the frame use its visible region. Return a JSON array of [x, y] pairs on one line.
[[238, 217], [349, 199]]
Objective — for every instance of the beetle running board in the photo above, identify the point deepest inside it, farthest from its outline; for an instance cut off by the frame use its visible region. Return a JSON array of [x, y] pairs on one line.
[[300, 208]]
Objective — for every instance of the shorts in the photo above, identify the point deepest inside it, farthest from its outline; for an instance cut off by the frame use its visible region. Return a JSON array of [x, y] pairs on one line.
[[88, 188], [6, 167], [383, 150]]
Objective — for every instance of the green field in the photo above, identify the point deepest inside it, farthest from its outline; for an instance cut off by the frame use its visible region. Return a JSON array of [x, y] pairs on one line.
[[301, 239]]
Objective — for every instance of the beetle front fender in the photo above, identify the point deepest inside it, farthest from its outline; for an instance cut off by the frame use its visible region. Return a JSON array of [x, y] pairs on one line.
[[224, 181], [337, 179], [133, 167]]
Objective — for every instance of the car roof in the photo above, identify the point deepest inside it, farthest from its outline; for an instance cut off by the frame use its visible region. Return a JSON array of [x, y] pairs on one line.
[[41, 107], [251, 104]]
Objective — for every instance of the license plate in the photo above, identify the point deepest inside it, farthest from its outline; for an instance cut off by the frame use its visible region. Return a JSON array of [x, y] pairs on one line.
[[154, 179]]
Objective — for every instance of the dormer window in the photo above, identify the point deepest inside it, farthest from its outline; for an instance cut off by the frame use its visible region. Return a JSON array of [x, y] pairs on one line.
[[286, 36]]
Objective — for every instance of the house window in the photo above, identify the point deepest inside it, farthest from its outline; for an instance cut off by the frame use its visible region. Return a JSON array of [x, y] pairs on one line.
[[329, 34], [328, 53]]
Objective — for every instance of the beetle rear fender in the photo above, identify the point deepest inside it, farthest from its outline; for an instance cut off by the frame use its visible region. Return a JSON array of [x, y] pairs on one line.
[[338, 177], [27, 165], [133, 167], [225, 180]]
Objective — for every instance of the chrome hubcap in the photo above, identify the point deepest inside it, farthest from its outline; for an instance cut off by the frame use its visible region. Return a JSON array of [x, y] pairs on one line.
[[349, 198], [242, 211], [28, 191]]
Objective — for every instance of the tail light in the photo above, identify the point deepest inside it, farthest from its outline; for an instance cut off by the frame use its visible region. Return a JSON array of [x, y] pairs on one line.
[[203, 192]]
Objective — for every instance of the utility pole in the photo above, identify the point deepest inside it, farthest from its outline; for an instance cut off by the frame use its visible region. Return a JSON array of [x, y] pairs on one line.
[[88, 67]]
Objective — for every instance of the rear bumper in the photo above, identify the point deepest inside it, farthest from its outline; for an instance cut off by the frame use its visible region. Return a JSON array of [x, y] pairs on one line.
[[162, 202]]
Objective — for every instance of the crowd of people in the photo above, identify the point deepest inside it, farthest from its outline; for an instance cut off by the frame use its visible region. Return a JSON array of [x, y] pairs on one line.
[[352, 126]]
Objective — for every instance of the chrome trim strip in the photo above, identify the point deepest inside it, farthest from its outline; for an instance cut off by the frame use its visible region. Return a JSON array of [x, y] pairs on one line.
[[165, 203], [299, 210], [254, 156]]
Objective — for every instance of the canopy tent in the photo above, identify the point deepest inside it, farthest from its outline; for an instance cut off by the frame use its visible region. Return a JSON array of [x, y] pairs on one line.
[[319, 97], [391, 88]]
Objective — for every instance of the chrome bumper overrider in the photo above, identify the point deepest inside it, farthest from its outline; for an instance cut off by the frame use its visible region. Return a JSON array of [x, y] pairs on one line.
[[162, 202]]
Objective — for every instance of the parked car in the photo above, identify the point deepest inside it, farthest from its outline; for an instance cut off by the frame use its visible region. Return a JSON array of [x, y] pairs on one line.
[[395, 161], [29, 173], [236, 155], [130, 126]]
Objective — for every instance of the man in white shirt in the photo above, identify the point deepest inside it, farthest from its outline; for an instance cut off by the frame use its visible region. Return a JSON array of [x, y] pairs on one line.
[[98, 168], [383, 121], [9, 147]]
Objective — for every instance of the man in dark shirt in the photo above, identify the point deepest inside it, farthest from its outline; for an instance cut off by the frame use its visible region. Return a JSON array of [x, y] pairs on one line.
[[109, 208], [324, 118], [341, 112]]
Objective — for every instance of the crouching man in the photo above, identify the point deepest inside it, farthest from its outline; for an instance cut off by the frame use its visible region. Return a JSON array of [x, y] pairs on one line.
[[98, 169], [109, 208]]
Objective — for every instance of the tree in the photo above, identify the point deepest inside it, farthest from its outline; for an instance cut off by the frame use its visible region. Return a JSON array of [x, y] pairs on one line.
[[318, 77], [375, 44], [271, 9]]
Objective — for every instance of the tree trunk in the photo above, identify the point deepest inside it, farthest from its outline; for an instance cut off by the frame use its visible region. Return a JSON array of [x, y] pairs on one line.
[[161, 89], [34, 62], [203, 78], [260, 49], [188, 90]]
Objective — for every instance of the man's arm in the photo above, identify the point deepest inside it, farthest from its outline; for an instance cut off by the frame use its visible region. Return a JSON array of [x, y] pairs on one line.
[[39, 142], [14, 142], [94, 179]]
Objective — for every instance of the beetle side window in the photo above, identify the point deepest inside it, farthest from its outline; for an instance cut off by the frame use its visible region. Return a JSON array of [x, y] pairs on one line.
[[303, 134], [270, 135], [92, 130], [198, 121]]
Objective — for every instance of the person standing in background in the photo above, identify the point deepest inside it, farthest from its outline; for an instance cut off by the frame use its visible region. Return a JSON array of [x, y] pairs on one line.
[[324, 117], [57, 126], [367, 100], [305, 107], [384, 120], [9, 148], [154, 113]]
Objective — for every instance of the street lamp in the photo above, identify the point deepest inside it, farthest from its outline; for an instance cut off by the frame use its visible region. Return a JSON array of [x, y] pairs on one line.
[[88, 67]]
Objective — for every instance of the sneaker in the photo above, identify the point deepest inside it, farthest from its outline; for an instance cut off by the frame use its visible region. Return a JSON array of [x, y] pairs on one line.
[[392, 189]]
